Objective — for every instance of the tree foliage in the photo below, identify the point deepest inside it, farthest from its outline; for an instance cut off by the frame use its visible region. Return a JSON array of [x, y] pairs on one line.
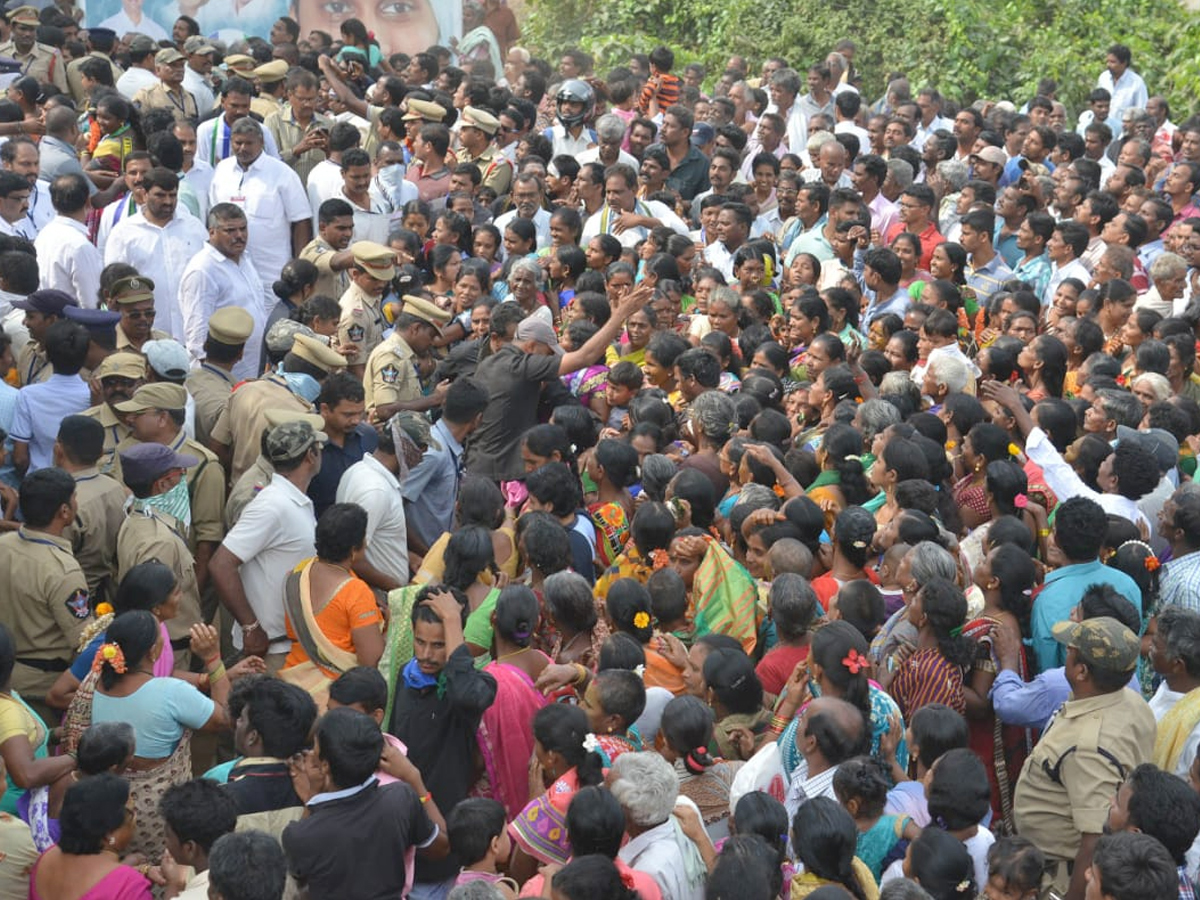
[[968, 49]]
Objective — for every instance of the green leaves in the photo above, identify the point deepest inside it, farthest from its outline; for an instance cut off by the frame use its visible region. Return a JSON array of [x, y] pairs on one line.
[[968, 49]]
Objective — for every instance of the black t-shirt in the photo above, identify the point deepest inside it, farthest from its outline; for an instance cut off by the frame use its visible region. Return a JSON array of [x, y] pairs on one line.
[[352, 848], [513, 379]]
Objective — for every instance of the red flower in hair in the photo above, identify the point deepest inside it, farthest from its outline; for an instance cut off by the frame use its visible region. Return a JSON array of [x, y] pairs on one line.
[[855, 661], [1151, 563], [1121, 379], [1020, 501], [659, 559]]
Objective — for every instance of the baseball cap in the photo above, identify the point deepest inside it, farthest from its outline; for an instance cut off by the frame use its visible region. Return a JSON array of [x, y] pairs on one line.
[[167, 357], [48, 302], [282, 335], [168, 56], [1158, 441], [1102, 642], [145, 463], [537, 329], [993, 155], [702, 133], [291, 439], [198, 44]]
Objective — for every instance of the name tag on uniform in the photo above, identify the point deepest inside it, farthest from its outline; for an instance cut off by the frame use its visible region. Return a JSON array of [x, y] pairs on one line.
[[241, 198]]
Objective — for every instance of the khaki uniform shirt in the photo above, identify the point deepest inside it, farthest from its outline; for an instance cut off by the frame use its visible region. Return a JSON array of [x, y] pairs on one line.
[[329, 283], [41, 62], [496, 170], [32, 365], [244, 419], [45, 605], [288, 133], [361, 323], [115, 432], [150, 533], [75, 77], [93, 534], [182, 105], [123, 342], [1093, 745], [210, 387], [206, 490], [391, 374], [253, 480]]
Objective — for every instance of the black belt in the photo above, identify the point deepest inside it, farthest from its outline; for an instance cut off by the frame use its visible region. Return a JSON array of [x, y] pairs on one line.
[[45, 665]]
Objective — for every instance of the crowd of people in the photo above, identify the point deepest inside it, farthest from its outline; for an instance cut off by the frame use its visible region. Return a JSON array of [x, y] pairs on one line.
[[459, 475]]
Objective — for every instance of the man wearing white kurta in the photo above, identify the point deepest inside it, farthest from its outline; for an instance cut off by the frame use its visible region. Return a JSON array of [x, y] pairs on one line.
[[623, 215], [223, 275], [67, 260], [159, 240], [269, 191]]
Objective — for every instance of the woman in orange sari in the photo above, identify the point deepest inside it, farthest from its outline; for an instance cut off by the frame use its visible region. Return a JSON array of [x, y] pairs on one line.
[[628, 611], [332, 617]]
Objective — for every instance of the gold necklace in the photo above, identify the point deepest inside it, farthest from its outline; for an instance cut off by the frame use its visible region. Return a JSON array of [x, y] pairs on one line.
[[514, 653]]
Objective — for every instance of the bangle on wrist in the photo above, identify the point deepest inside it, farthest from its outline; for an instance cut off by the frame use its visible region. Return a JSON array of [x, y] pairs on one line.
[[252, 626], [426, 797]]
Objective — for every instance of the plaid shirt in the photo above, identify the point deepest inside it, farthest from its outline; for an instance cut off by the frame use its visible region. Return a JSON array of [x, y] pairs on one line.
[[1186, 891]]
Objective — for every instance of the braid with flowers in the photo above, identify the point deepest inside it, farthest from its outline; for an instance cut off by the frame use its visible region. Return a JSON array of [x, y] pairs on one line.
[[687, 727], [1137, 560], [131, 638]]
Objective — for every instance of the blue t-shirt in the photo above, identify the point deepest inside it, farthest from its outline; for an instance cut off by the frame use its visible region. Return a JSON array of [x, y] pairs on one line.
[[159, 711]]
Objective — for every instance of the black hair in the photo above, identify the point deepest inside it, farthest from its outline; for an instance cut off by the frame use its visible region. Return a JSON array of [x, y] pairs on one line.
[[91, 810], [958, 792], [105, 746], [731, 677], [1006, 481], [135, 633], [595, 822], [861, 604], [653, 527], [843, 445], [422, 613], [199, 811], [687, 727], [668, 595], [469, 552], [578, 423], [554, 484], [1016, 861], [341, 530], [697, 489], [546, 543], [145, 586], [853, 531], [760, 814], [945, 610], [866, 779], [546, 440], [362, 685], [472, 826], [247, 865], [1079, 526], [824, 838], [621, 651], [1164, 807], [746, 870], [591, 878], [619, 461], [936, 730], [569, 600], [1014, 568], [283, 714], [350, 743], [517, 614], [942, 866], [832, 643], [561, 729]]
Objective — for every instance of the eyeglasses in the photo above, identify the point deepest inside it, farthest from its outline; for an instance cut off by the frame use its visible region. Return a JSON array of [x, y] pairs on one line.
[[139, 314]]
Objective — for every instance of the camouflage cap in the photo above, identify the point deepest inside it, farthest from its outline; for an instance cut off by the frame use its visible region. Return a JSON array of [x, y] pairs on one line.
[[282, 335], [1102, 642], [291, 440]]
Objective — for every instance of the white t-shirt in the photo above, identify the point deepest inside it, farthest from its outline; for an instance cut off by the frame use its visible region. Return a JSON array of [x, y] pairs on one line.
[[377, 491]]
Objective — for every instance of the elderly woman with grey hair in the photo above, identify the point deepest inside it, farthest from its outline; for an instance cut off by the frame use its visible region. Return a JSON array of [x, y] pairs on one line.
[[524, 289], [647, 788], [925, 561], [712, 420]]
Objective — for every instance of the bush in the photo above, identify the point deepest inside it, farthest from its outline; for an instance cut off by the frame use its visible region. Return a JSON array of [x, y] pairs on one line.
[[968, 50]]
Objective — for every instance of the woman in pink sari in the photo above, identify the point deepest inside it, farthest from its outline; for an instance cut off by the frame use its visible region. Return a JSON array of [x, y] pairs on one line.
[[505, 736], [97, 821]]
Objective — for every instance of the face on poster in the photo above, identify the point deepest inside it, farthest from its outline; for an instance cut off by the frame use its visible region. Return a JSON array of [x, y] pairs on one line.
[[399, 26]]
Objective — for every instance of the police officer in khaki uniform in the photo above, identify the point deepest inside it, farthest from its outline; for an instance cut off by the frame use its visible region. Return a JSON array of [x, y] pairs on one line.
[[156, 415], [45, 603], [100, 43], [330, 250], [362, 322], [133, 297], [42, 309], [100, 504], [259, 475], [269, 77], [238, 432], [241, 65], [212, 382], [1100, 735], [477, 132], [37, 60], [119, 376], [391, 383], [169, 93], [148, 533]]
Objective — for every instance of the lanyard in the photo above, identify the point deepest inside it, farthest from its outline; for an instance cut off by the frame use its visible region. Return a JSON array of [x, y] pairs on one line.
[[34, 372]]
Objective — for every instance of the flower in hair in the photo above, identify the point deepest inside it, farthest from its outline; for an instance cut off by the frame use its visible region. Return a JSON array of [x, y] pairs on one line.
[[1120, 379], [1151, 563], [963, 886], [590, 744], [639, 671], [858, 399], [1014, 450], [659, 559], [641, 620], [855, 662], [110, 655], [1020, 501], [104, 609], [860, 545], [951, 445]]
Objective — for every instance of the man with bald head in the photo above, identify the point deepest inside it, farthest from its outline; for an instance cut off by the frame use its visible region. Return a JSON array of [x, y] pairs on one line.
[[829, 731]]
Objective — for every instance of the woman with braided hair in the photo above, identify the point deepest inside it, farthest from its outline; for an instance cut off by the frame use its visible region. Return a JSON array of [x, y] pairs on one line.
[[684, 737]]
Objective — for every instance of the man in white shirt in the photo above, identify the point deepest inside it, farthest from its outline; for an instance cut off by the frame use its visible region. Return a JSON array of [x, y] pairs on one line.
[[1068, 242], [269, 191], [527, 196], [374, 484], [159, 240], [626, 217], [140, 73], [610, 132], [197, 174], [372, 214], [274, 535], [325, 178], [19, 154], [67, 260], [196, 76], [137, 165], [14, 202], [221, 274], [132, 19], [214, 137], [784, 89], [1125, 85]]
